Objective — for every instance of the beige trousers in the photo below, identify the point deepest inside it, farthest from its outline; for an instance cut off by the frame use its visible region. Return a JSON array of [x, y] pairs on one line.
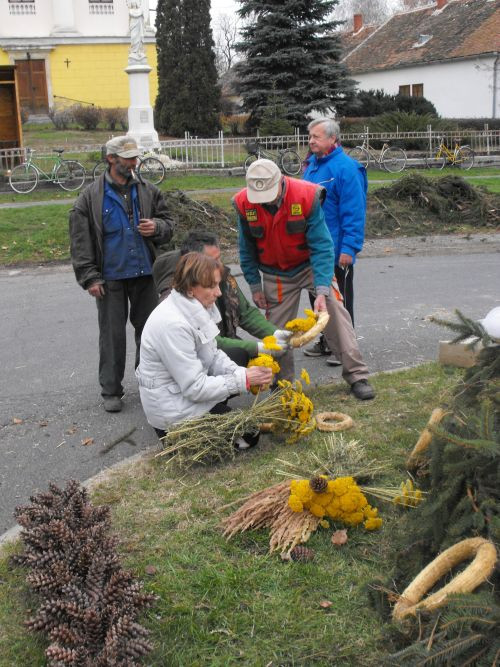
[[283, 297]]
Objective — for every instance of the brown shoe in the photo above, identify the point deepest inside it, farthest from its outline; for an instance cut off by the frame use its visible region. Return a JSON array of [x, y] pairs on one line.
[[362, 390]]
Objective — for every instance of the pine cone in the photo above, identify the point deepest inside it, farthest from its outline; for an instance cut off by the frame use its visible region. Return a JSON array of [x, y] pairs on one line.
[[318, 484], [301, 553]]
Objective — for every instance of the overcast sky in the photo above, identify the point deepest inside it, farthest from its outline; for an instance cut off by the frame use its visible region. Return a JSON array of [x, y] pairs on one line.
[[218, 7]]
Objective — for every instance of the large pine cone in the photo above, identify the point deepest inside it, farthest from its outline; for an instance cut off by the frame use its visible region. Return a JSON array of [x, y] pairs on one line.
[[301, 553], [318, 484]]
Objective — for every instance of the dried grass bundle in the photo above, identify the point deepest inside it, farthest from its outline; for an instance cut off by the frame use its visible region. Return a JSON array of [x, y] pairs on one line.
[[269, 509], [336, 457]]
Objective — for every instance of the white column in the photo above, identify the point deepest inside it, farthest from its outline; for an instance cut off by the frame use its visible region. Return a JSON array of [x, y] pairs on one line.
[[64, 16], [140, 113]]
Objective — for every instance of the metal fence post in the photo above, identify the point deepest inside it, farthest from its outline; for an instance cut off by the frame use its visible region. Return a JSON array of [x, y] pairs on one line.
[[429, 130], [221, 136], [486, 128]]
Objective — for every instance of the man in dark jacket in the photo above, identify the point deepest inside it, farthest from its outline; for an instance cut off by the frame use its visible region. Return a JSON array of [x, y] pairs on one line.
[[114, 226], [233, 306]]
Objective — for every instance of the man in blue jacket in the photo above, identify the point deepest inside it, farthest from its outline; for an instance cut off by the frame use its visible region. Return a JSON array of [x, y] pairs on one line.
[[285, 247], [346, 184]]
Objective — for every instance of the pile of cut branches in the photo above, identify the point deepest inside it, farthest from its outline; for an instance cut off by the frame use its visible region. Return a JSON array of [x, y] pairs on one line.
[[190, 215], [416, 204], [89, 603]]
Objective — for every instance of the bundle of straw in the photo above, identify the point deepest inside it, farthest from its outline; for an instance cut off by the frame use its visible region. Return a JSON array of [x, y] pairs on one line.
[[209, 439], [269, 509]]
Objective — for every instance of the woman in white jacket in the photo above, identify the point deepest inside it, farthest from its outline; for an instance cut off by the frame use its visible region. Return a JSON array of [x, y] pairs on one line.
[[181, 373]]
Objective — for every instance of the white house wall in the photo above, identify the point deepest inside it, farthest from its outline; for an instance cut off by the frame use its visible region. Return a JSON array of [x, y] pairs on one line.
[[51, 18], [461, 89]]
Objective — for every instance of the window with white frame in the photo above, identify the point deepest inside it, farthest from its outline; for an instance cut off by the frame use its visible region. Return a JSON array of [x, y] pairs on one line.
[[22, 7]]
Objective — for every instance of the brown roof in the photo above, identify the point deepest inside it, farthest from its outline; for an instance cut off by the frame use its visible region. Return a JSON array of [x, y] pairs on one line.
[[350, 39], [462, 29]]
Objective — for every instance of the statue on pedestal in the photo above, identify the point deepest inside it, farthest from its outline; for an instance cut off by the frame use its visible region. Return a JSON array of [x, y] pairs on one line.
[[136, 53]]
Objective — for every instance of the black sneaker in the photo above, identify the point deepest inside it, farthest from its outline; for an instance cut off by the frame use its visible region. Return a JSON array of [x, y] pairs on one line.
[[247, 440], [333, 361], [362, 390], [319, 349]]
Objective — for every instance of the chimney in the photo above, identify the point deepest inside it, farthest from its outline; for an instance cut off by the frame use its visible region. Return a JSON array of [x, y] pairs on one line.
[[358, 21], [440, 4]]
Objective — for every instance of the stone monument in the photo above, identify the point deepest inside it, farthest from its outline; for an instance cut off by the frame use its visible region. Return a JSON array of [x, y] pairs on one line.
[[140, 113]]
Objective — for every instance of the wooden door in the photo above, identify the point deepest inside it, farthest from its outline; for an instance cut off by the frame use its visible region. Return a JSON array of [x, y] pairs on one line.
[[32, 85]]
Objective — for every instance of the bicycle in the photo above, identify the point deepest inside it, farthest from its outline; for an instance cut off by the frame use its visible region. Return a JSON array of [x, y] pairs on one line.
[[287, 159], [68, 174], [149, 169], [460, 156], [391, 158]]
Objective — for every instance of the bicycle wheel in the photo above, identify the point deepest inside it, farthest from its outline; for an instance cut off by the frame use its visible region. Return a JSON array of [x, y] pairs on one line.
[[360, 154], [435, 161], [249, 160], [464, 157], [393, 159], [99, 169], [23, 178], [291, 163], [70, 175], [152, 170]]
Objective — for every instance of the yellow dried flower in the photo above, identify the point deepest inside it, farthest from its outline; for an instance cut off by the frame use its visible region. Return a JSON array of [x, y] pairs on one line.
[[373, 524], [295, 504], [301, 324], [267, 361], [317, 510], [305, 376], [270, 343], [324, 523]]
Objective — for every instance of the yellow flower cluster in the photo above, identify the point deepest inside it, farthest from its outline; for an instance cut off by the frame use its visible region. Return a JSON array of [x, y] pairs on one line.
[[270, 343], [302, 324], [342, 500], [263, 360], [409, 496], [298, 409]]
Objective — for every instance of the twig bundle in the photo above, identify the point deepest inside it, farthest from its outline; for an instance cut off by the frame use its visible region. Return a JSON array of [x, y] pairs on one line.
[[209, 439], [269, 509]]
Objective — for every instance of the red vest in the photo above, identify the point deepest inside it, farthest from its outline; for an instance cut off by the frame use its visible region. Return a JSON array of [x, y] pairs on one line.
[[281, 238]]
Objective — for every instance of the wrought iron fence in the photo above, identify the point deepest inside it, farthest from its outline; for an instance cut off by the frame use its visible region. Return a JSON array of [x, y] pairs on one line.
[[220, 152]]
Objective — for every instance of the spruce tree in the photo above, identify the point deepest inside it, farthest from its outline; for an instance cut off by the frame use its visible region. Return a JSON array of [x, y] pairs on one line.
[[188, 96], [290, 46]]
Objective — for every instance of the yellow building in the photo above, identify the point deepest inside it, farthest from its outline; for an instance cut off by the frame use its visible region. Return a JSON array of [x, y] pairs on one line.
[[71, 51]]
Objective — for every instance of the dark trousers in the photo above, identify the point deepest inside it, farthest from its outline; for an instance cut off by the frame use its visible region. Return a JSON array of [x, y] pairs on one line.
[[113, 312], [346, 288]]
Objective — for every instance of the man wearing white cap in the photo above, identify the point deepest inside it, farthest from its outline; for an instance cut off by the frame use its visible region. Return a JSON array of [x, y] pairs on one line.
[[115, 225], [285, 247]]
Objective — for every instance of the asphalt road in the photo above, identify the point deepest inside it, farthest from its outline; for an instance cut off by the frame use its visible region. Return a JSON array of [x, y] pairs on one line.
[[49, 396]]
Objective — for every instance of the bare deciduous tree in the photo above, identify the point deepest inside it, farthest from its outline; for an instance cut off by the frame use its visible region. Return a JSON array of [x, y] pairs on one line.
[[373, 11], [226, 36]]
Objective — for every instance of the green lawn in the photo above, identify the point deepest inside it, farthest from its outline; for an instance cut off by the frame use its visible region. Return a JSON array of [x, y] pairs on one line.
[[229, 603]]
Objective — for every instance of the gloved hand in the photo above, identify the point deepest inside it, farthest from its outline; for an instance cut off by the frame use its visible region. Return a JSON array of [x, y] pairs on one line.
[[282, 337], [275, 354]]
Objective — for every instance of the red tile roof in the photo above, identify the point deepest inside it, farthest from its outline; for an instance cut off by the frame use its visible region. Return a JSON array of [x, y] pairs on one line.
[[462, 29]]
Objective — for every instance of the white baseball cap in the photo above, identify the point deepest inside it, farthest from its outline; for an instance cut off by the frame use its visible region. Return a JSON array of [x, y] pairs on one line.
[[263, 181], [122, 146]]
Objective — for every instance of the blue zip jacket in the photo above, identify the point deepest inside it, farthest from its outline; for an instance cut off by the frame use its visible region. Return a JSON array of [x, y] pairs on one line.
[[346, 186]]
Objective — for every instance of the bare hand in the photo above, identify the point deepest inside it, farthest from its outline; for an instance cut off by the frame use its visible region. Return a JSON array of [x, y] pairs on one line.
[[96, 290], [259, 299], [258, 376], [146, 227], [345, 260], [320, 303]]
